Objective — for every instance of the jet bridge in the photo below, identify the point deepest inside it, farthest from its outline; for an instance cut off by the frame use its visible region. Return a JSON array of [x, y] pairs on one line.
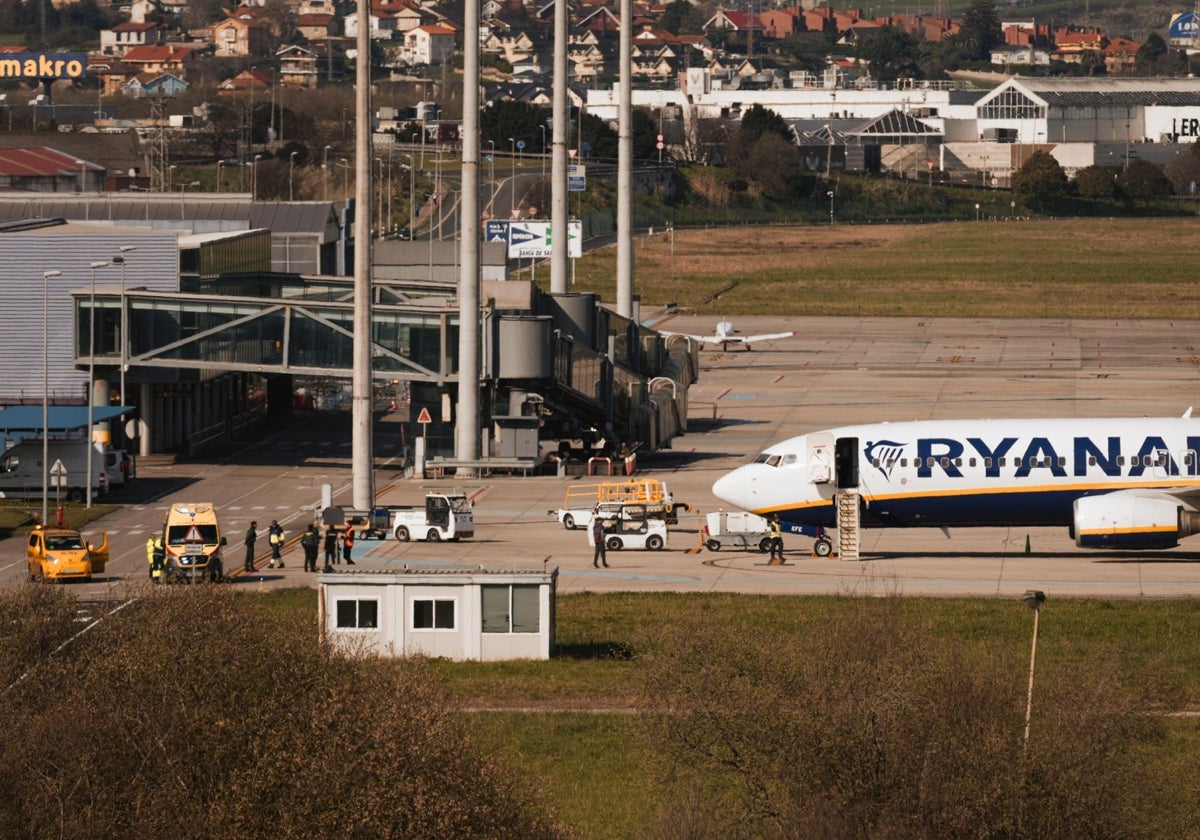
[[616, 377]]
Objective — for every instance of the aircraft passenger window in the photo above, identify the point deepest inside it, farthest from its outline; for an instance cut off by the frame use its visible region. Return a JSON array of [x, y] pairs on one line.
[[904, 462], [891, 463], [958, 462], [929, 462], [1002, 462], [972, 462], [1062, 460], [1120, 460], [1189, 458], [773, 461], [945, 461], [788, 460], [1017, 463], [1091, 460], [987, 462], [874, 462]]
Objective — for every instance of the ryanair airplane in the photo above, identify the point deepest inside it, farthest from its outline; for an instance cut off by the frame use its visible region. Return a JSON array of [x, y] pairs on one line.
[[1122, 483]]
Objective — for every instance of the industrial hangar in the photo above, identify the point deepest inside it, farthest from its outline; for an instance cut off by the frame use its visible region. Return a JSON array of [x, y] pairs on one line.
[[206, 321], [916, 127]]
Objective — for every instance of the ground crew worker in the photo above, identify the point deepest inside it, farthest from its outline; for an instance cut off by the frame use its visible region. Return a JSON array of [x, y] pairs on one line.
[[150, 555], [311, 541], [776, 538], [158, 560], [347, 544], [276, 537]]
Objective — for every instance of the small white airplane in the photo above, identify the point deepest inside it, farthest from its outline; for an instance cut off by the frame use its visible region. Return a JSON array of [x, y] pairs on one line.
[[725, 335], [1120, 483]]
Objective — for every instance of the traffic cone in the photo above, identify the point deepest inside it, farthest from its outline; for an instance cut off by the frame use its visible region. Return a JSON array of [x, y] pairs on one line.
[[1027, 544]]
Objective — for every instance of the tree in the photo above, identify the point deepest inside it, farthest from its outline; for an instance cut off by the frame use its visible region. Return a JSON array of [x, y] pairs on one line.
[[205, 714], [1184, 171], [682, 18], [1150, 53], [759, 121], [891, 54], [980, 30], [1040, 179], [1142, 180], [508, 118], [774, 165], [601, 139], [1097, 182]]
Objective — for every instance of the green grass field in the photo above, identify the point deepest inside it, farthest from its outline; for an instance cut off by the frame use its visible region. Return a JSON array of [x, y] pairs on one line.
[[1105, 268], [569, 724]]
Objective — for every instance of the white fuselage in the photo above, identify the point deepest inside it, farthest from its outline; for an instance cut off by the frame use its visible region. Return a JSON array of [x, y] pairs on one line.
[[968, 472]]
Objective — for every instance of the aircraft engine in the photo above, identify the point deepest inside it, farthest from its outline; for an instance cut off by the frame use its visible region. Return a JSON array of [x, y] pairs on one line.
[[1128, 521]]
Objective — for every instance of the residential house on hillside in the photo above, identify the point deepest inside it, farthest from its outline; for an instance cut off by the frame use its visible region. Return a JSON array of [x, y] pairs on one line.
[[297, 66], [124, 36], [243, 33], [317, 26], [781, 23], [433, 45], [248, 81], [1070, 45], [168, 58], [154, 84], [1120, 56]]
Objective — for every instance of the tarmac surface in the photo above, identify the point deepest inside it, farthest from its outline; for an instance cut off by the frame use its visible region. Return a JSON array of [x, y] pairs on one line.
[[835, 371]]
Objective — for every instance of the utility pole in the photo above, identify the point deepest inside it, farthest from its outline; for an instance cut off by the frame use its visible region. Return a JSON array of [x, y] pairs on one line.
[[467, 423], [559, 209], [362, 448]]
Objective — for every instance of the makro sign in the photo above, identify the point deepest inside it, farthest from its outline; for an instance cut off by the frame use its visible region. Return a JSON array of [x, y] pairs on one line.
[[43, 65]]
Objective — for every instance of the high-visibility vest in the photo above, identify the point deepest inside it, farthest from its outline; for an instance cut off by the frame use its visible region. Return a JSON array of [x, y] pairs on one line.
[[348, 538]]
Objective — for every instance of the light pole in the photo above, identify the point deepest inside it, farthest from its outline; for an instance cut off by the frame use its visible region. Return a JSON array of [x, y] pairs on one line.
[[325, 170], [977, 211], [170, 177], [91, 377], [830, 194], [492, 161], [380, 227], [220, 163], [254, 178], [1034, 600], [119, 259], [291, 174], [46, 275], [512, 154]]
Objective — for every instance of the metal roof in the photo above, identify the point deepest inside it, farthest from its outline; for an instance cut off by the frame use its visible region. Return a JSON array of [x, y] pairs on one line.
[[1110, 91], [37, 161], [62, 418], [292, 216]]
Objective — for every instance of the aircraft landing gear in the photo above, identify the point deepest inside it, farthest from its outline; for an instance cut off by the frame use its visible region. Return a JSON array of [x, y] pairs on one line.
[[822, 547]]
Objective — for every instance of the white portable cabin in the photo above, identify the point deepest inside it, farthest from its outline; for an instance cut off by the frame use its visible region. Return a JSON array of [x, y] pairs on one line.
[[484, 615]]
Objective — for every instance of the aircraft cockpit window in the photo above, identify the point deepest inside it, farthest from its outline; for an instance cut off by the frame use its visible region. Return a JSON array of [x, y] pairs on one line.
[[788, 461], [761, 459], [773, 461]]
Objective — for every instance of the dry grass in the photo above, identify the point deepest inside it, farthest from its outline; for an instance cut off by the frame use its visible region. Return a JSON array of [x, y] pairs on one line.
[[1108, 268]]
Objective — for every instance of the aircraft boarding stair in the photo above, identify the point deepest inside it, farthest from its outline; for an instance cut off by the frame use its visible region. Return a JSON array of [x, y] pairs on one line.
[[848, 525]]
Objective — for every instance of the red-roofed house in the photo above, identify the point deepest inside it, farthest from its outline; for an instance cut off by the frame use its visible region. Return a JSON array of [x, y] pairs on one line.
[[245, 32], [1120, 56], [781, 23], [168, 58], [41, 169], [428, 45]]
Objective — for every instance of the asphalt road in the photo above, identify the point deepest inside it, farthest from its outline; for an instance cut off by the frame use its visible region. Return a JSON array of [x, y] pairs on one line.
[[835, 371]]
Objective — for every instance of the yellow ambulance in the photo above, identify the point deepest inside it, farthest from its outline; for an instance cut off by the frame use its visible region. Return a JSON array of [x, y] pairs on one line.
[[192, 537]]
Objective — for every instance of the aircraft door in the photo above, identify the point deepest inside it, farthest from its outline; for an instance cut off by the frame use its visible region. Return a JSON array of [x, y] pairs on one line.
[[820, 458], [846, 463]]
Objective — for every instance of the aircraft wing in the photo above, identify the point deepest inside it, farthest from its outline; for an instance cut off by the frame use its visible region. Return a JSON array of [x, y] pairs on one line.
[[726, 340]]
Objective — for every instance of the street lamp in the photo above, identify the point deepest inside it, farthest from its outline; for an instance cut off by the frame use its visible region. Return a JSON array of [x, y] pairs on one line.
[[170, 177], [325, 169], [119, 259], [91, 377], [977, 211], [1034, 600], [492, 160], [291, 172], [220, 163], [830, 194], [512, 143], [254, 177], [46, 275]]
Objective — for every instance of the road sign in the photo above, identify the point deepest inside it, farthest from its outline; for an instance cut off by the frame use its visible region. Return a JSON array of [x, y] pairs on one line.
[[424, 417], [520, 145], [571, 153], [659, 138], [58, 474], [193, 535], [576, 177], [659, 145]]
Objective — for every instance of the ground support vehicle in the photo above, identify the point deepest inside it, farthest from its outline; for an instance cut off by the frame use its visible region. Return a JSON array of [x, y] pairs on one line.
[[367, 524], [21, 470], [736, 529], [443, 517], [649, 533], [60, 554], [192, 535], [652, 495]]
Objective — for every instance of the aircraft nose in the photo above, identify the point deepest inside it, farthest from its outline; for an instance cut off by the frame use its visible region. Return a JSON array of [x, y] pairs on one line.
[[733, 489]]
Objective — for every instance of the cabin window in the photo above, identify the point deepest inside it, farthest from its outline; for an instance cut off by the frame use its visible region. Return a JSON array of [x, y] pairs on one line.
[[1120, 460], [945, 462], [891, 463], [874, 462], [1003, 461], [433, 614], [930, 461], [958, 462], [1062, 460], [1189, 458], [1091, 460], [987, 462], [904, 462], [971, 462], [357, 613]]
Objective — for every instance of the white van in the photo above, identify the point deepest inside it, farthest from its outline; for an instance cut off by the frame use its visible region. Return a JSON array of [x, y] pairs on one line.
[[116, 467], [21, 470]]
